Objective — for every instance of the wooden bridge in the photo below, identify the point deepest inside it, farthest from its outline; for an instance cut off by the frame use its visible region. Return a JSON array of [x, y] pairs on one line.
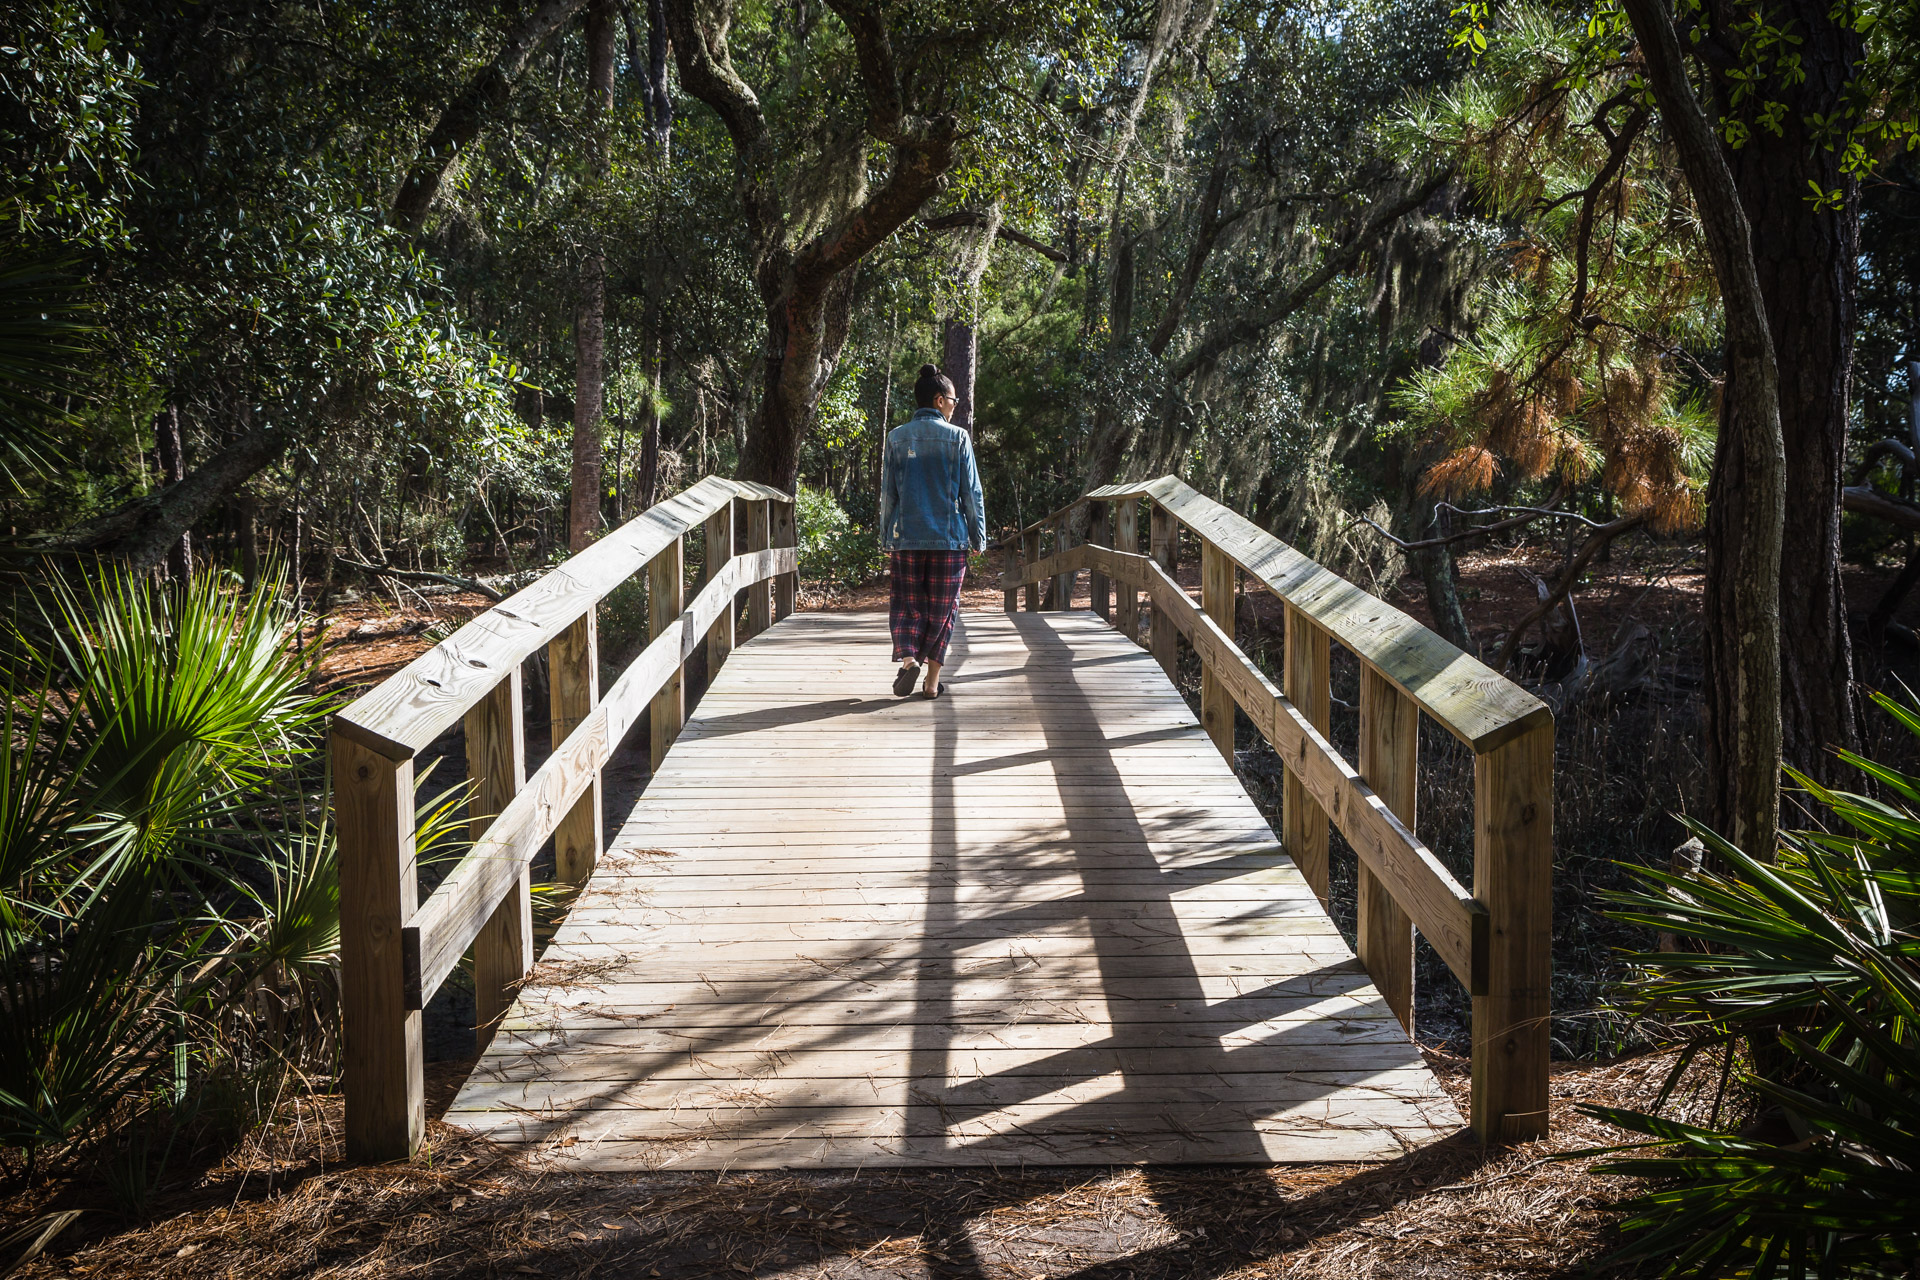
[[1035, 921]]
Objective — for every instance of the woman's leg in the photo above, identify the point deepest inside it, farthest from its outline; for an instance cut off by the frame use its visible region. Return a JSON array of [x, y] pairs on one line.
[[905, 614], [947, 573]]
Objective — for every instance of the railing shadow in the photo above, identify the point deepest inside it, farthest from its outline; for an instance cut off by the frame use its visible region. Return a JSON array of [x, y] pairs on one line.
[[1128, 942]]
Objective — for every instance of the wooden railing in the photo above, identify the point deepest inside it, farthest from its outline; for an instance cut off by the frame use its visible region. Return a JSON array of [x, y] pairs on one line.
[[1496, 939], [395, 951]]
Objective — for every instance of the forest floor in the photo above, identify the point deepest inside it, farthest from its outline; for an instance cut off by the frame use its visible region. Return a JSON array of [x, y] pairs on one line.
[[282, 1203]]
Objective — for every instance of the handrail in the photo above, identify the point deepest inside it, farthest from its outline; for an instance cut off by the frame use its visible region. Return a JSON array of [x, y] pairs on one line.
[[1496, 940], [395, 952]]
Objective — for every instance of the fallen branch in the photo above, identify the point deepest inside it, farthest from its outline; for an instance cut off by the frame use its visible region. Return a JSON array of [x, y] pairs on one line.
[[423, 575], [1868, 501], [1527, 516], [1597, 541]]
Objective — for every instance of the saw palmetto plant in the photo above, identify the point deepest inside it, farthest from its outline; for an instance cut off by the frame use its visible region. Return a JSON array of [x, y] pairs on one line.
[[1811, 962]]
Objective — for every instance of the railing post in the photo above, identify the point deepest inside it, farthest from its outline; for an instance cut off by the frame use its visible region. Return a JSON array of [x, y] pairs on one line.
[[1009, 573], [1165, 534], [1390, 763], [1062, 582], [719, 553], [759, 595], [1126, 537], [1030, 549], [382, 1055], [785, 585], [1513, 879], [497, 763], [1216, 601], [665, 577], [573, 687], [1308, 687], [1099, 534]]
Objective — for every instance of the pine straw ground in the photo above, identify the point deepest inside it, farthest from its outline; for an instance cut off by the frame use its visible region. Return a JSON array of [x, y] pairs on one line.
[[283, 1205]]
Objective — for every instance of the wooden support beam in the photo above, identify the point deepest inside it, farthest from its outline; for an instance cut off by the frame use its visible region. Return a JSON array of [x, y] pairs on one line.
[[786, 533], [1030, 548], [382, 1053], [718, 555], [1513, 877], [1009, 578], [666, 574], [1100, 534], [1062, 582], [1126, 537], [759, 594], [1165, 544], [573, 687], [1308, 687], [497, 764], [1216, 601], [1390, 764]]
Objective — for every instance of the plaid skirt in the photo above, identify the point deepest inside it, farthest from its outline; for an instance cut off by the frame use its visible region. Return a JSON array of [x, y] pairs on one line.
[[924, 601]]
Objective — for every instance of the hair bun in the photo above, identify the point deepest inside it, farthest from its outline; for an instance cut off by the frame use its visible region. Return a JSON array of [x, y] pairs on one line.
[[929, 371]]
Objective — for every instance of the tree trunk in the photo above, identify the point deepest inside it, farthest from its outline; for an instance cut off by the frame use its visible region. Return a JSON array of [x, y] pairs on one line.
[[149, 530], [461, 122], [1806, 276], [173, 469], [590, 323], [959, 352], [1747, 495]]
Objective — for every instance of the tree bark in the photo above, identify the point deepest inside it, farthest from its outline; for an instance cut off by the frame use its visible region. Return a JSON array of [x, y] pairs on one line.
[[960, 350], [464, 117], [807, 290], [173, 468], [145, 531], [1807, 278], [1747, 495], [590, 322]]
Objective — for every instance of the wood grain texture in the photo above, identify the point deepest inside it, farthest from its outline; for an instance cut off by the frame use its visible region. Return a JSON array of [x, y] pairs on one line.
[[573, 690], [1216, 599], [783, 533], [1030, 554], [373, 823], [1513, 876], [1126, 539], [1100, 534], [1390, 764], [1164, 547], [497, 766], [1037, 920], [447, 922], [759, 535], [1307, 684], [1472, 701], [1387, 848], [1060, 596], [429, 695], [666, 576], [719, 555]]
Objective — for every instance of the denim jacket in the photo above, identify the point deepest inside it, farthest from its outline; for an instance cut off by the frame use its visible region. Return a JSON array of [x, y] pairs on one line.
[[930, 499]]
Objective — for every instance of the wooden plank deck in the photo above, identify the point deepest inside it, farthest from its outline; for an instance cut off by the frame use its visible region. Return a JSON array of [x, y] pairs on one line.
[[1037, 921]]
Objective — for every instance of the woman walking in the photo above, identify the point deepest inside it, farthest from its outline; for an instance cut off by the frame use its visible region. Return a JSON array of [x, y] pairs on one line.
[[931, 512]]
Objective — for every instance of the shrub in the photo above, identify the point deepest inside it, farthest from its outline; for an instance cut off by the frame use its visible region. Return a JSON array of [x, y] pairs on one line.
[[833, 549], [169, 889], [1814, 953]]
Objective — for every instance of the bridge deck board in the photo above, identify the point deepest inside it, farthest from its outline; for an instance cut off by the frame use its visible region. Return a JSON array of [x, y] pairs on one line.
[[1035, 922]]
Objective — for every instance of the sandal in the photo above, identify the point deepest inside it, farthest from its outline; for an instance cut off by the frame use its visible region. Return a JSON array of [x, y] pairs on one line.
[[903, 682], [936, 691]]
